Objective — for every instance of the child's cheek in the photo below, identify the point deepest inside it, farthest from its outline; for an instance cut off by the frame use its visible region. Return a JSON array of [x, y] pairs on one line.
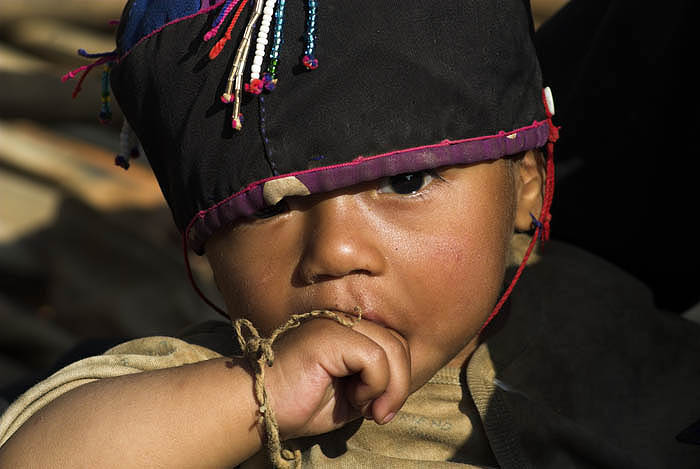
[[248, 272], [457, 273]]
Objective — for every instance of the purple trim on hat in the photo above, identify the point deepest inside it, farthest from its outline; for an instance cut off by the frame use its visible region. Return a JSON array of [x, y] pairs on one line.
[[363, 169]]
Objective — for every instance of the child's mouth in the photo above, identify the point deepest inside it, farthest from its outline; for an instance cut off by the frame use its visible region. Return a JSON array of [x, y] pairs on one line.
[[365, 314], [373, 317]]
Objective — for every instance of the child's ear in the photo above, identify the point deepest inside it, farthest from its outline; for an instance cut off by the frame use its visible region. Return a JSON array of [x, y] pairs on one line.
[[530, 177]]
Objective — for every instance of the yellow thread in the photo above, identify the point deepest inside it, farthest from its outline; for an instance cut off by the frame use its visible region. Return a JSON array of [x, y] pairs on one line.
[[258, 351]]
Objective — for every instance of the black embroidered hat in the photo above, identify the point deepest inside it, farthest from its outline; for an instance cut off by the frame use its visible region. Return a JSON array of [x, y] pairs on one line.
[[238, 104]]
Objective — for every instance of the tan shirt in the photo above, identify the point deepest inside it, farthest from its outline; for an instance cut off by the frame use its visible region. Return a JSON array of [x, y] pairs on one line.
[[438, 427]]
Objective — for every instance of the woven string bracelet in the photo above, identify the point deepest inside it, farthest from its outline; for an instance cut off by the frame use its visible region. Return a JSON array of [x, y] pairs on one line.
[[258, 351]]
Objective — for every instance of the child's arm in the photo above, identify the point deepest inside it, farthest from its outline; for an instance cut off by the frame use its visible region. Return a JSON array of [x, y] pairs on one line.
[[205, 414], [189, 416]]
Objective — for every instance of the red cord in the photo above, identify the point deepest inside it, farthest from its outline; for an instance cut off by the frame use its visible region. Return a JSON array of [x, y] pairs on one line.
[[545, 216], [85, 69], [215, 29], [219, 46], [508, 291], [79, 86]]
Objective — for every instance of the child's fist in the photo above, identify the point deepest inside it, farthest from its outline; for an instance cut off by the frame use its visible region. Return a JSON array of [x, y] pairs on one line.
[[326, 374]]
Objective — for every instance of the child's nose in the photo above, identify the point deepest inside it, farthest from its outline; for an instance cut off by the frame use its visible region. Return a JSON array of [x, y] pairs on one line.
[[339, 241]]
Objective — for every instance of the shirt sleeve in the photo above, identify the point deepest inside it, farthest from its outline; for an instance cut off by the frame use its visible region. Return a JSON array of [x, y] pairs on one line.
[[135, 356]]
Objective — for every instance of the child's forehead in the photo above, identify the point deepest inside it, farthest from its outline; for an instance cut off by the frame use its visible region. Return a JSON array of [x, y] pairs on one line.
[[396, 91]]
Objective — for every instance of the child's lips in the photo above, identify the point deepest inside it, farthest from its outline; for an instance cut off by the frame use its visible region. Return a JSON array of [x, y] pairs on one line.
[[373, 317], [365, 313], [355, 304]]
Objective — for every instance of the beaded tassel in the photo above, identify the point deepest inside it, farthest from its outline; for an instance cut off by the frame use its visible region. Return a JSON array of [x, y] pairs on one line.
[[309, 60], [269, 78], [268, 81], [128, 146], [105, 116], [255, 85], [234, 84]]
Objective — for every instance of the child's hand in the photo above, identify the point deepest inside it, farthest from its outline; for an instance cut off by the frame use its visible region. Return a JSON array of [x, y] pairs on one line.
[[326, 375]]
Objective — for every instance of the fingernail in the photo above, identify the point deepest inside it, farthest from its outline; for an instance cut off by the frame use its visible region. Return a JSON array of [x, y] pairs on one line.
[[388, 417]]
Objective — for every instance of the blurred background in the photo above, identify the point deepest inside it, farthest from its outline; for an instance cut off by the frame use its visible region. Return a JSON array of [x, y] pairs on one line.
[[89, 255]]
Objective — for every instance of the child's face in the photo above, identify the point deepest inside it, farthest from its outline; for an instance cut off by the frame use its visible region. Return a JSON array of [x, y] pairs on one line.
[[428, 264]]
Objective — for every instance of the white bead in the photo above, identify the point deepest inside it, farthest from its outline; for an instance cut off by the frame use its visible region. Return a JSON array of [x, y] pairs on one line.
[[264, 29], [549, 98], [268, 11], [254, 75], [262, 41], [257, 60], [255, 68]]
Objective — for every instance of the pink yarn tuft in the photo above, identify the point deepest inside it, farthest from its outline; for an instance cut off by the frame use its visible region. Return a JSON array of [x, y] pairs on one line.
[[310, 62], [227, 98], [237, 122], [73, 73], [255, 86]]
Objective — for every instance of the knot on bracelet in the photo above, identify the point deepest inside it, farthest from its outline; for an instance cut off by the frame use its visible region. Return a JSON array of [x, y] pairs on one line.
[[252, 345], [259, 347]]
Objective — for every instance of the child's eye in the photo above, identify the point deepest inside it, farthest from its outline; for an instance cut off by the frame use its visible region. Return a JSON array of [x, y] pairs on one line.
[[406, 183], [272, 210]]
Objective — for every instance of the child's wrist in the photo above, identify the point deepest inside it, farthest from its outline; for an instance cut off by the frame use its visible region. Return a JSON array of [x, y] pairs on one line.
[[239, 415]]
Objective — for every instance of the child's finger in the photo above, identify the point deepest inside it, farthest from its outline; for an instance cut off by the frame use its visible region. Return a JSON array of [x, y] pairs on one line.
[[309, 360], [370, 363], [388, 402]]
